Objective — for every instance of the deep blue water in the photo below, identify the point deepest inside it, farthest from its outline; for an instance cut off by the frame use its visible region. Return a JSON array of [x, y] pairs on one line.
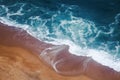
[[85, 25]]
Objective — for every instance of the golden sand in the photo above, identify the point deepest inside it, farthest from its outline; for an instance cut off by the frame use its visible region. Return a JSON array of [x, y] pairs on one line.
[[19, 64]]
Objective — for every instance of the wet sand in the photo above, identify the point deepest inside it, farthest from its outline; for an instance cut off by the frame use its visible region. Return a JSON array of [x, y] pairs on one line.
[[22, 57]]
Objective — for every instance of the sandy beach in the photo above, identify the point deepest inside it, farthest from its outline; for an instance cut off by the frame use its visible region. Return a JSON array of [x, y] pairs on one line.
[[21, 58], [17, 63]]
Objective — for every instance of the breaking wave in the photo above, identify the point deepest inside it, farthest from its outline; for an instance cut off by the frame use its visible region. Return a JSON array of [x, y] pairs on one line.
[[62, 26]]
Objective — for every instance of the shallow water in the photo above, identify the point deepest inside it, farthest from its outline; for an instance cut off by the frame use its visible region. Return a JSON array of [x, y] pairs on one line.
[[89, 30]]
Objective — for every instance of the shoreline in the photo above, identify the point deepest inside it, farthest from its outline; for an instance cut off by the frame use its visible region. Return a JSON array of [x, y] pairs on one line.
[[62, 61]]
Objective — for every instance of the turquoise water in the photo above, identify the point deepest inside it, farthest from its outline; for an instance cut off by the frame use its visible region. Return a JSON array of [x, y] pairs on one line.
[[89, 30]]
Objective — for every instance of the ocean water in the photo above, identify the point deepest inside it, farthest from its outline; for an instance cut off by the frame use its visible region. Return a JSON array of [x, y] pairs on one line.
[[90, 27]]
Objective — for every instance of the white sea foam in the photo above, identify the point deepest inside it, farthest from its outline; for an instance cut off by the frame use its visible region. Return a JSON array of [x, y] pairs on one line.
[[98, 55], [77, 33]]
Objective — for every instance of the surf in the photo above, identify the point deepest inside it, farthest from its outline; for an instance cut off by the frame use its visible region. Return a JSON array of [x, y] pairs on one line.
[[62, 27]]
